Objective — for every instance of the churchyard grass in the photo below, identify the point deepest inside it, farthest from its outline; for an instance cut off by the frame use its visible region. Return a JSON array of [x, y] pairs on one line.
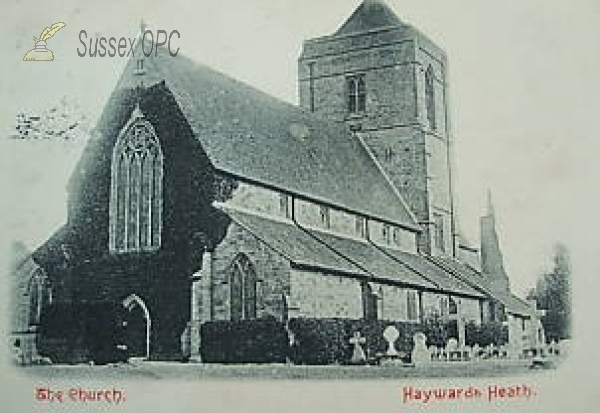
[[195, 371]]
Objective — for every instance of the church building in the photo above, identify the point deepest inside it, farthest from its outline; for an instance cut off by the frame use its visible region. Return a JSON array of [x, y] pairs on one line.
[[201, 198]]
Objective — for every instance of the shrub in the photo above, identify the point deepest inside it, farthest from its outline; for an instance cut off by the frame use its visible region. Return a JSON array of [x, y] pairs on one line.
[[437, 331], [80, 332], [243, 341], [319, 341], [492, 332]]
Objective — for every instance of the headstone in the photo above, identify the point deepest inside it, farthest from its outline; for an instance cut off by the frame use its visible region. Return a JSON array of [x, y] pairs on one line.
[[564, 347], [452, 349], [420, 354], [489, 351], [391, 335], [476, 350], [452, 344], [433, 352], [552, 348], [467, 353], [358, 354], [503, 351]]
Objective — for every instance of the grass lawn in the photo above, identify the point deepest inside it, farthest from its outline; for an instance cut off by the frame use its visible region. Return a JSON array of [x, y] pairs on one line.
[[198, 371]]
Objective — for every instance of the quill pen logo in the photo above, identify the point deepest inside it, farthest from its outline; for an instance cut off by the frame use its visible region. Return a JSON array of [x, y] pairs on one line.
[[40, 53]]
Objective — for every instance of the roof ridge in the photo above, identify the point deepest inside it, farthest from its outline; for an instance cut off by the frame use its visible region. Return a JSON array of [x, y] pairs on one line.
[[229, 116]]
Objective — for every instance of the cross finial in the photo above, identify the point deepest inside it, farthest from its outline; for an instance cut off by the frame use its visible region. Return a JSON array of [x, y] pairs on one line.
[[137, 112]]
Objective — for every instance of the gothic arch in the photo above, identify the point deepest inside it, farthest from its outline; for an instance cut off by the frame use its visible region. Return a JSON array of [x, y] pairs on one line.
[[39, 292], [136, 188], [357, 93], [132, 302], [243, 288], [430, 97]]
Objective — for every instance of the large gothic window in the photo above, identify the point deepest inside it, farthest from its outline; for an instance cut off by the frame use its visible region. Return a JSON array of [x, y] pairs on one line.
[[430, 97], [136, 188], [242, 285]]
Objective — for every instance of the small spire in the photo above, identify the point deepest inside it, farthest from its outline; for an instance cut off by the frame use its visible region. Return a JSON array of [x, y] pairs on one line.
[[490, 204], [143, 26]]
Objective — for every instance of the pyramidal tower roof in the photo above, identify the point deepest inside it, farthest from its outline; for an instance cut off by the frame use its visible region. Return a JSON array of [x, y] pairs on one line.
[[370, 15]]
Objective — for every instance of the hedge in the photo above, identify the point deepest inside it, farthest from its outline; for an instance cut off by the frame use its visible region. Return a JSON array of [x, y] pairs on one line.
[[327, 340], [492, 332], [314, 341], [244, 341]]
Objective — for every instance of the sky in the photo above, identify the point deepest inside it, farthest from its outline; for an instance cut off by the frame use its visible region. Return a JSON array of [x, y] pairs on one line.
[[523, 89]]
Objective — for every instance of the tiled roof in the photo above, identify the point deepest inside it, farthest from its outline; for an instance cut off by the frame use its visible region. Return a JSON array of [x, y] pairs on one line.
[[516, 305], [476, 279], [255, 136], [370, 15], [318, 249], [444, 279], [373, 260], [294, 243]]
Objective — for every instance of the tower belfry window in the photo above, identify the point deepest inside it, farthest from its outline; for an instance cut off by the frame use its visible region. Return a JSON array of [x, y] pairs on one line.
[[311, 85], [430, 97], [438, 222], [357, 93], [136, 188]]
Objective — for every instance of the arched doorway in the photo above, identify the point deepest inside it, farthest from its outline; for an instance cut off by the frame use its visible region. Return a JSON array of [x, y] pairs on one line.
[[137, 327]]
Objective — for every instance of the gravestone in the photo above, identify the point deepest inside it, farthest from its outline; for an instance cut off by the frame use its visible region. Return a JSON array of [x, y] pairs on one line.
[[564, 347], [433, 352], [358, 354], [467, 353], [391, 335], [420, 355], [493, 350], [553, 348], [452, 349]]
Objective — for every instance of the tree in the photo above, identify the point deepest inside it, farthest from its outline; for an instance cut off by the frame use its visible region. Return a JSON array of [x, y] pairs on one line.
[[553, 294]]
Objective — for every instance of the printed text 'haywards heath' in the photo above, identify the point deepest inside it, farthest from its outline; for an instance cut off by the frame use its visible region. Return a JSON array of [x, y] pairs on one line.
[[111, 47], [491, 393]]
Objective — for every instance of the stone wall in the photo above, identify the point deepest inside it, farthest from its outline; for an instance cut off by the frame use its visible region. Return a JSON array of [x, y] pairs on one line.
[[393, 303], [320, 295], [272, 270], [470, 309]]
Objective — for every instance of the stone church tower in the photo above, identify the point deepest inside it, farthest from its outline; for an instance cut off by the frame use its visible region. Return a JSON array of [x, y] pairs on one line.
[[388, 83]]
